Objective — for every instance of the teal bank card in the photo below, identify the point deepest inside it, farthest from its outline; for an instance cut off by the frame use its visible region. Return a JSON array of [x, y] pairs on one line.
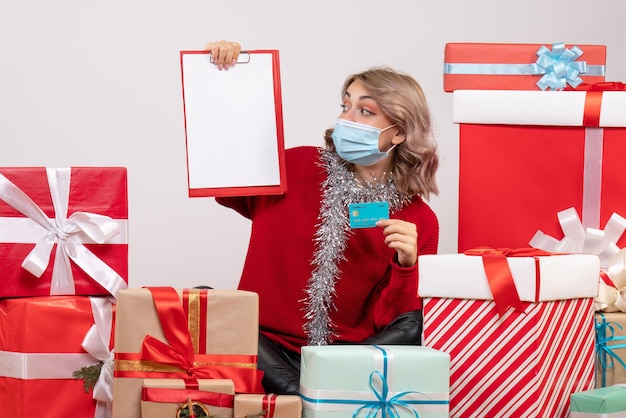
[[365, 215]]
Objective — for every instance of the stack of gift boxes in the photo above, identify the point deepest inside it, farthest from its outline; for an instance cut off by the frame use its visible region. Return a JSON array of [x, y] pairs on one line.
[[532, 308], [63, 258], [75, 340], [528, 319]]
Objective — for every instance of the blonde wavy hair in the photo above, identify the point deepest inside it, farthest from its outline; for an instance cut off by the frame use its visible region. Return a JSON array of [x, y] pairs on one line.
[[402, 100]]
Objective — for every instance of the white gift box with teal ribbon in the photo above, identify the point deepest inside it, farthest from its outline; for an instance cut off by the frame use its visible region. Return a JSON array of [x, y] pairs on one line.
[[393, 381]]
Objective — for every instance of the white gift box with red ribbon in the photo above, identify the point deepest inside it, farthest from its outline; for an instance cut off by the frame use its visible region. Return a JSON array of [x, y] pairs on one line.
[[521, 358]]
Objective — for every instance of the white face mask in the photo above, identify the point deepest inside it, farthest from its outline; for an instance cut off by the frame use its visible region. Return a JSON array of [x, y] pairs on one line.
[[358, 143]]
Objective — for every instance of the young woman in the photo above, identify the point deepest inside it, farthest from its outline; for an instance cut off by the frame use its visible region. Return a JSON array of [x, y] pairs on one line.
[[320, 281]]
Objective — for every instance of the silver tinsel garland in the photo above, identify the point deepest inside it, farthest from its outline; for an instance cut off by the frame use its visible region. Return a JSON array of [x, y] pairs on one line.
[[340, 189]]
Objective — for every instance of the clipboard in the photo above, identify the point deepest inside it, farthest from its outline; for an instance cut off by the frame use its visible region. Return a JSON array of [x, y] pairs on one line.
[[233, 125]]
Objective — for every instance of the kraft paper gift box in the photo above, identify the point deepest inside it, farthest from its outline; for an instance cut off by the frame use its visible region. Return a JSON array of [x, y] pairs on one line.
[[268, 406], [610, 348], [609, 402], [63, 231], [524, 352], [162, 332], [43, 342], [163, 398], [502, 66], [527, 156], [390, 380]]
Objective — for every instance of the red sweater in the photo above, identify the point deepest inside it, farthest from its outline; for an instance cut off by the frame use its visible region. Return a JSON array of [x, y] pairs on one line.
[[373, 288]]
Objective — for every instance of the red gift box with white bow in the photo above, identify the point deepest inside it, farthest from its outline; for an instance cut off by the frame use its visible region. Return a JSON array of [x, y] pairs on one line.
[[526, 157], [43, 342], [63, 231]]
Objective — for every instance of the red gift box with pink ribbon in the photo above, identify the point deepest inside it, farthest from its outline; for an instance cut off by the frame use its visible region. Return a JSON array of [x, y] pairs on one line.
[[44, 342], [191, 334], [63, 231], [543, 165], [518, 325]]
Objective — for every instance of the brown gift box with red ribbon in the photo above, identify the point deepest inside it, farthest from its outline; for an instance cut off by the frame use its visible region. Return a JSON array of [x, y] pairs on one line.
[[189, 334], [163, 398], [526, 156], [268, 406]]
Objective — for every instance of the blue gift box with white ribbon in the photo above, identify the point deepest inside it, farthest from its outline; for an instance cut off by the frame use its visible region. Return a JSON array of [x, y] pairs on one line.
[[369, 380]]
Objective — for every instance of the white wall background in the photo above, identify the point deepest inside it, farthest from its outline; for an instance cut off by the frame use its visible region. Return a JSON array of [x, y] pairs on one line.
[[85, 82]]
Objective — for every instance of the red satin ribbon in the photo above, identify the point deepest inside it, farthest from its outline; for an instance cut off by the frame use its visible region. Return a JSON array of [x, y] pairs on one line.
[[499, 274], [606, 279], [239, 368], [222, 400], [269, 405], [593, 99]]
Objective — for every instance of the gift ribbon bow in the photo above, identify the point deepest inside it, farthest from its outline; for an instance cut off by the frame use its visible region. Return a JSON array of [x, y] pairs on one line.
[[387, 406], [577, 239], [97, 342], [612, 286], [559, 66], [605, 333], [499, 275], [179, 352], [68, 233]]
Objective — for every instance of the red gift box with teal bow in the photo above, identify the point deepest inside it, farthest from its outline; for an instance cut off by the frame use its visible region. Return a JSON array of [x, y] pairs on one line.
[[501, 66], [543, 165]]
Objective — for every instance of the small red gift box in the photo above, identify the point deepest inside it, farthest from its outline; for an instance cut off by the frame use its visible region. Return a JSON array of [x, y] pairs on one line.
[[500, 66], [63, 231], [43, 341], [526, 156]]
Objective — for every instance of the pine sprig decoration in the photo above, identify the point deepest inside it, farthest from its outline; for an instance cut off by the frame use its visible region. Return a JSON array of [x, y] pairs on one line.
[[89, 375]]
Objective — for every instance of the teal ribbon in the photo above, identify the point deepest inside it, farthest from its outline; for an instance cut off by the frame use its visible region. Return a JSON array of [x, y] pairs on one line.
[[557, 67], [605, 333], [387, 407]]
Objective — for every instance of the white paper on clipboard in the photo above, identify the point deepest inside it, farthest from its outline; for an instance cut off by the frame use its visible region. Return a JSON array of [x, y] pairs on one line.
[[233, 123]]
